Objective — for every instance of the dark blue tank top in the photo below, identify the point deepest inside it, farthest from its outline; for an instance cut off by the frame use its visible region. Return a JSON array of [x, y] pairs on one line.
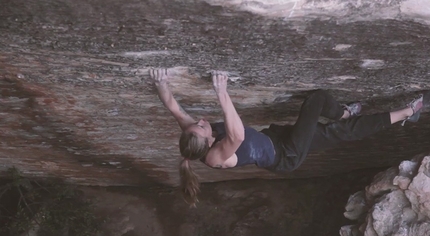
[[255, 149]]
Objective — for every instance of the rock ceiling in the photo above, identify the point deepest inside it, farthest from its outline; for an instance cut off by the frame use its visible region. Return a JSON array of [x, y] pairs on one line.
[[77, 104]]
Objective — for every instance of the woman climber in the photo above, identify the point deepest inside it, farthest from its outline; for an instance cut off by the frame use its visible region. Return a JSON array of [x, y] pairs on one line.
[[279, 148]]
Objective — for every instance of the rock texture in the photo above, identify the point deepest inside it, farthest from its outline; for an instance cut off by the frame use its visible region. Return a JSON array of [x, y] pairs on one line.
[[76, 102], [398, 203]]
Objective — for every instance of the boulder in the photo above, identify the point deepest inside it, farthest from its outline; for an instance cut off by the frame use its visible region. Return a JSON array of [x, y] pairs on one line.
[[76, 102]]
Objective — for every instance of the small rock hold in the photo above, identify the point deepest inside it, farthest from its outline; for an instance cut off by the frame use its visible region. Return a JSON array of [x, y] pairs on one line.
[[372, 64], [86, 164], [399, 43], [342, 47]]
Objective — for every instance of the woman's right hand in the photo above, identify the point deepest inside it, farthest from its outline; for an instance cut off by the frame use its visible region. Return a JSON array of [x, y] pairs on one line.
[[219, 80], [159, 76]]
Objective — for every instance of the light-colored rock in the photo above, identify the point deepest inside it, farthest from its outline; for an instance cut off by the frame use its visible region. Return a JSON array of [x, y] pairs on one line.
[[397, 211], [408, 216], [419, 229], [419, 191], [369, 230], [387, 213], [402, 181], [416, 229], [406, 171]]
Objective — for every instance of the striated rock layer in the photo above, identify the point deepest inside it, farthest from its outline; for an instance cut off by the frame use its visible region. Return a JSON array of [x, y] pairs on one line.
[[76, 103], [396, 203]]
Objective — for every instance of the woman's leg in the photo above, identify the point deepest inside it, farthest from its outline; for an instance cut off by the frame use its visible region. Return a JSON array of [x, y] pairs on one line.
[[299, 140], [307, 134], [356, 128], [401, 115]]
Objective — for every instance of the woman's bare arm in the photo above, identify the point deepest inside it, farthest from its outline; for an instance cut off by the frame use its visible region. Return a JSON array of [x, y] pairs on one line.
[[235, 131], [160, 78]]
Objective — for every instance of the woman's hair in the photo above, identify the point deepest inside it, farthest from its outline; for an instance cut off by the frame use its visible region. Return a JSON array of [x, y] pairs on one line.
[[192, 147]]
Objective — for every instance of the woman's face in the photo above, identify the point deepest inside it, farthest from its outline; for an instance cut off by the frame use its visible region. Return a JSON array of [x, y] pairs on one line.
[[202, 128]]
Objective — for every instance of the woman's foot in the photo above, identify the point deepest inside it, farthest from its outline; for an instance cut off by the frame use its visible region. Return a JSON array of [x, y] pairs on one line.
[[415, 107], [414, 110], [351, 110]]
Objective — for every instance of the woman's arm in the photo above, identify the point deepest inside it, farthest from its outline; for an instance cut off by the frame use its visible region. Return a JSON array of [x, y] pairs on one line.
[[235, 132], [160, 78]]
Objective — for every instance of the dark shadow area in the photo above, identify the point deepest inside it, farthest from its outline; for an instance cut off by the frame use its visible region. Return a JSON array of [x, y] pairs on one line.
[[300, 207], [49, 207]]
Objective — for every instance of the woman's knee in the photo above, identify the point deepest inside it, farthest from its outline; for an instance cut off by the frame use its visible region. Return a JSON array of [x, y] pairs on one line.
[[318, 94]]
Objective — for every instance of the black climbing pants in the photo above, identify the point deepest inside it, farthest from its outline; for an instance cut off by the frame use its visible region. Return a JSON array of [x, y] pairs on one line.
[[292, 143]]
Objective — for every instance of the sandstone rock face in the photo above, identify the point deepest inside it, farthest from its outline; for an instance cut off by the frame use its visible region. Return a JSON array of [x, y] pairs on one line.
[[396, 209], [76, 102]]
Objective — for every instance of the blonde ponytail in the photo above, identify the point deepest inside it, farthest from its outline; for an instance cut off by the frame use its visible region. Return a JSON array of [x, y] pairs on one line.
[[192, 147], [189, 182]]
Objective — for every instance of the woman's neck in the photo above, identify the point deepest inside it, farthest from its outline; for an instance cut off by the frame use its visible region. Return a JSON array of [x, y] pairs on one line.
[[212, 138]]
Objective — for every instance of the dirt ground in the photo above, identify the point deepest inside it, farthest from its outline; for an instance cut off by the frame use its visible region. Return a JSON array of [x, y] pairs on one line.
[[304, 207]]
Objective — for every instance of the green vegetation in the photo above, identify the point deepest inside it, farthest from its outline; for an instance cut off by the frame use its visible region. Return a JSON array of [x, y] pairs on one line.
[[47, 208]]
